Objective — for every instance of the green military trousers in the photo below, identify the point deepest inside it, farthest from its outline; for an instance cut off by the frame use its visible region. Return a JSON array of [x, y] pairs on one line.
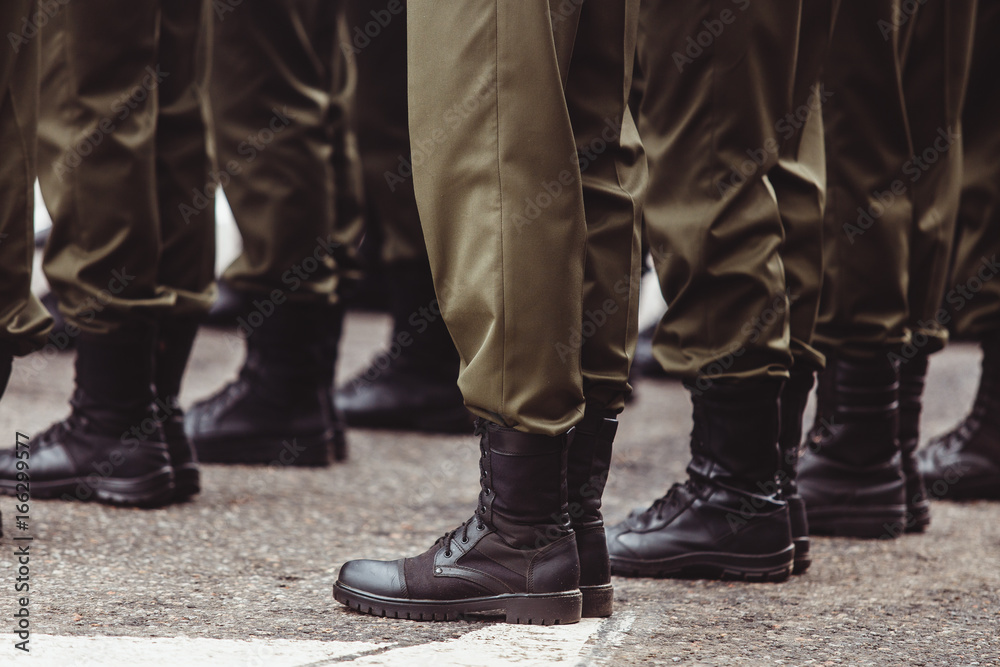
[[277, 96], [730, 119], [24, 322], [122, 162], [528, 175], [896, 76], [972, 294]]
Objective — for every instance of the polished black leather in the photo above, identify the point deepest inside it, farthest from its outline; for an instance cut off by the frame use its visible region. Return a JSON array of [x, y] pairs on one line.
[[964, 464], [694, 518], [794, 397], [77, 459], [728, 519]]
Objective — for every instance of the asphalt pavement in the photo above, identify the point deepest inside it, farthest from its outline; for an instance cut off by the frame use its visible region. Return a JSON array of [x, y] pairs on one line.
[[243, 574]]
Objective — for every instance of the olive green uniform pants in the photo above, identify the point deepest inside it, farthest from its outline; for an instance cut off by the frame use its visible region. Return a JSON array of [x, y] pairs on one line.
[[972, 296], [24, 323], [277, 95], [731, 123], [896, 75], [122, 163], [529, 176]]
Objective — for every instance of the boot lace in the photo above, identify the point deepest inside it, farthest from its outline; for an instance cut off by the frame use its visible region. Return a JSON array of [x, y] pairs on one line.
[[674, 499], [478, 518]]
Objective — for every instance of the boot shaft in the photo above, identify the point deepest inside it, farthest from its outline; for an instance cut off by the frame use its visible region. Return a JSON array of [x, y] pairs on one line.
[[857, 411], [734, 441], [524, 490], [295, 349], [589, 463], [114, 376]]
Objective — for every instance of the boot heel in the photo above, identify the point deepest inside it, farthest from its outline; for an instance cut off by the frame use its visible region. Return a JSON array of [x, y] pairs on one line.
[[547, 609], [802, 559], [187, 482], [598, 601]]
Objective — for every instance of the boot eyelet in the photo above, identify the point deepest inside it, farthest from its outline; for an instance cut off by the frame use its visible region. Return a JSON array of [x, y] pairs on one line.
[[465, 540], [447, 554], [487, 491]]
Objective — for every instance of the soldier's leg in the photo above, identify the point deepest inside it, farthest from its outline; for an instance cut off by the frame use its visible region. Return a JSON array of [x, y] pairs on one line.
[[719, 82], [502, 203], [97, 118], [880, 222], [965, 462], [274, 118], [936, 56], [863, 306], [24, 323], [412, 383]]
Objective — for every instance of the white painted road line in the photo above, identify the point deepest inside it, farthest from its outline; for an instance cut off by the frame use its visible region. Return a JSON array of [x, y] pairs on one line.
[[499, 644], [493, 645]]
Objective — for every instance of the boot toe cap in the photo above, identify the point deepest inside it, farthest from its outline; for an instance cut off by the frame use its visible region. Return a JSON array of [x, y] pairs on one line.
[[376, 577]]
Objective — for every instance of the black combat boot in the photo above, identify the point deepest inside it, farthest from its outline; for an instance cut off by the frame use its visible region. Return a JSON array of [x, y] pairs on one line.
[[727, 521], [279, 410], [912, 378], [964, 464], [173, 348], [850, 473], [794, 398], [110, 448], [517, 554], [412, 384], [589, 463]]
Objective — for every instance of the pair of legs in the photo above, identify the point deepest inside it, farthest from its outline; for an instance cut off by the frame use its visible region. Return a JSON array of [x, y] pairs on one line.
[[965, 463], [528, 192], [894, 156], [121, 149], [278, 91], [733, 130]]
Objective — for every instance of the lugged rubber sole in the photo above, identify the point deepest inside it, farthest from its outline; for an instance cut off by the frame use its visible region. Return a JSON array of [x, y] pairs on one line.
[[152, 490], [873, 522], [523, 608], [774, 567], [315, 450], [598, 601]]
